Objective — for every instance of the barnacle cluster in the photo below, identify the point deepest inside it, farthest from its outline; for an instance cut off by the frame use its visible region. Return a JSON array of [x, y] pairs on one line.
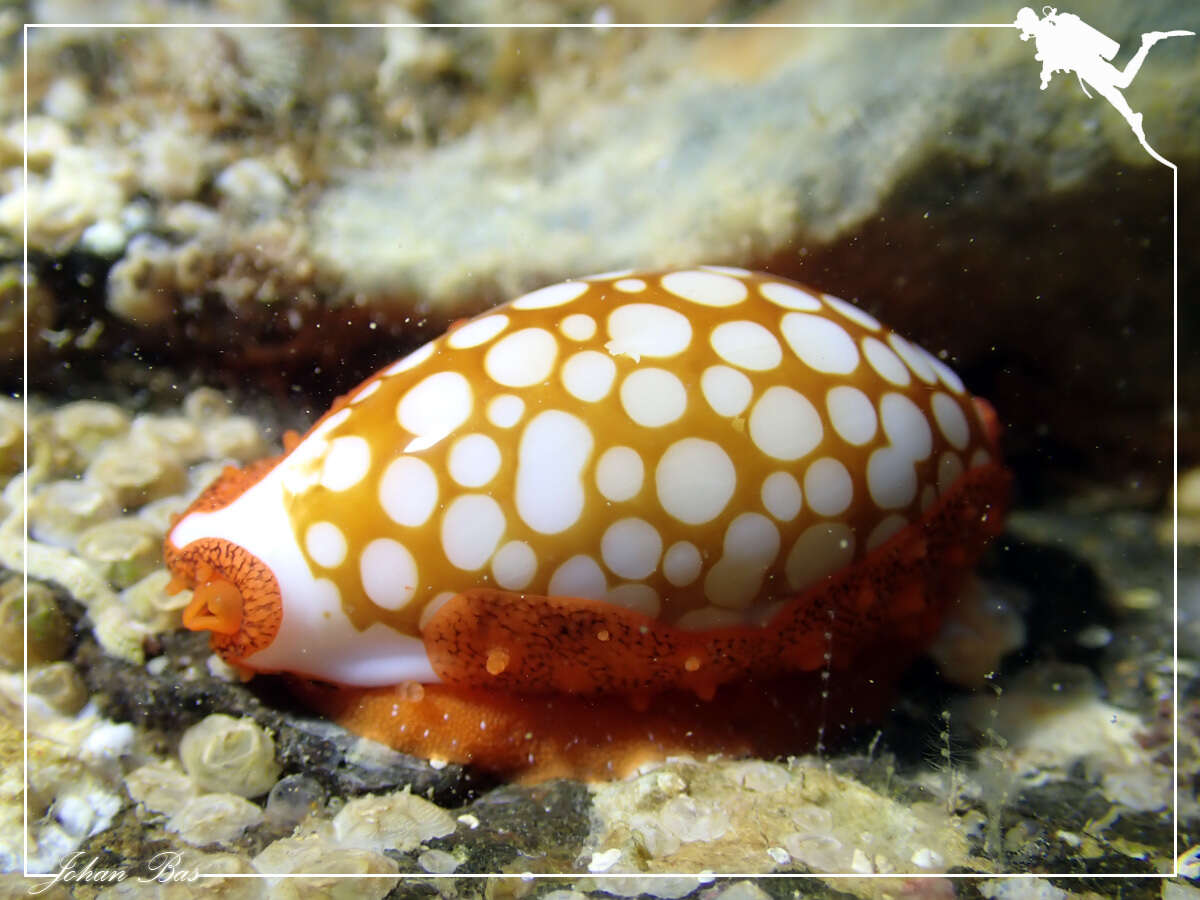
[[755, 816], [103, 487], [74, 758], [203, 798], [355, 841], [225, 760]]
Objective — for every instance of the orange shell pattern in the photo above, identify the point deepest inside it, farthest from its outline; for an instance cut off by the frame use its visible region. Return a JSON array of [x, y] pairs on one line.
[[623, 485]]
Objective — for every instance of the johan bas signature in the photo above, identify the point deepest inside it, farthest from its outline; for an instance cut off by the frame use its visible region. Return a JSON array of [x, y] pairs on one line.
[[165, 868]]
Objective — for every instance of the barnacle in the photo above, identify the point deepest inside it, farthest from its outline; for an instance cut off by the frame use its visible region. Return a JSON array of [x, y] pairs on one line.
[[213, 818], [48, 633], [60, 685], [226, 754], [124, 549], [60, 510], [397, 821]]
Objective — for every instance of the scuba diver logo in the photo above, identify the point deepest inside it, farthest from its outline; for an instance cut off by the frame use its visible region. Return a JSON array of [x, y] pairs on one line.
[[1066, 43]]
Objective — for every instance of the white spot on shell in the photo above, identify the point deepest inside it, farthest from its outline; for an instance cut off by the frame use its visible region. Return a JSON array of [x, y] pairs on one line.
[[579, 576], [784, 424], [411, 361], [905, 425], [551, 295], [301, 469], [828, 487], [370, 388], [325, 544], [514, 566], [781, 496], [505, 410], [640, 598], [916, 361], [474, 460], [853, 313], [630, 285], [588, 375], [434, 407], [947, 375], [408, 491], [619, 474], [727, 390], [653, 397], [735, 271], [821, 344], [746, 345], [821, 550], [321, 432], [951, 420], [523, 358], [681, 563], [980, 458], [431, 608], [388, 572], [789, 296], [891, 526], [631, 548], [695, 480], [553, 450], [480, 331], [705, 288], [852, 414], [891, 478], [751, 545], [578, 327], [346, 463], [471, 528], [886, 363], [647, 329]]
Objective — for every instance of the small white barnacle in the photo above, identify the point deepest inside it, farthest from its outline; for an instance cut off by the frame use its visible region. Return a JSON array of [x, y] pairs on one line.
[[237, 756]]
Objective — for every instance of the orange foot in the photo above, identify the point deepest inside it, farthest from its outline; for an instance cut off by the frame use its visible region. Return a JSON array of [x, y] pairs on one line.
[[534, 737]]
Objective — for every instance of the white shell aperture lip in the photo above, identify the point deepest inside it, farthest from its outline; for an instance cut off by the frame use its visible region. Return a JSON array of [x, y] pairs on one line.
[[315, 637]]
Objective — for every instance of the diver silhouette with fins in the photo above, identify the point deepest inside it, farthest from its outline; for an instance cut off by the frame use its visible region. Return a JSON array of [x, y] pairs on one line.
[[1065, 43]]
